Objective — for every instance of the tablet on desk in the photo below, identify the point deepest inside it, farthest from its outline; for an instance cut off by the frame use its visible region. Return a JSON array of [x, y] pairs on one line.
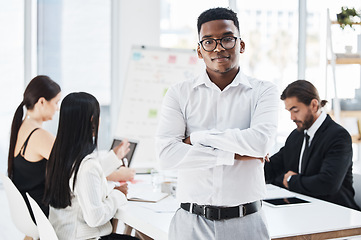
[[287, 201], [132, 146]]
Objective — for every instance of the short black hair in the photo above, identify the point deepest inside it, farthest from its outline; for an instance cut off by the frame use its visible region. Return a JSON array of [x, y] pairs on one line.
[[304, 91], [218, 13]]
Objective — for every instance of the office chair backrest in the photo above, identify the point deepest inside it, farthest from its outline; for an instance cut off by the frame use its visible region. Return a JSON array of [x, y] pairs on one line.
[[46, 230], [357, 187], [18, 209]]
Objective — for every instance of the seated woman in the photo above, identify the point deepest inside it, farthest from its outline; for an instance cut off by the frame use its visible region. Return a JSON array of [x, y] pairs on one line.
[[30, 144], [81, 201]]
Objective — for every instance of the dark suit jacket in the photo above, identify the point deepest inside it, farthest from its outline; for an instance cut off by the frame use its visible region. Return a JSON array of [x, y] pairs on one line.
[[326, 173]]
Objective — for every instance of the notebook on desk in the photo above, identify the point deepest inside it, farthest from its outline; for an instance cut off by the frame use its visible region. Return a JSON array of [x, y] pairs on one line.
[[128, 158], [147, 196]]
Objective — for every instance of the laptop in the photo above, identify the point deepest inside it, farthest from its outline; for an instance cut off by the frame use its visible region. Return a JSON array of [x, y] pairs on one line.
[[128, 158]]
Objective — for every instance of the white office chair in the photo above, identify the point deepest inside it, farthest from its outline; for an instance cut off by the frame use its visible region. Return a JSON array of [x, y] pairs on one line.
[[18, 209], [46, 230], [357, 187]]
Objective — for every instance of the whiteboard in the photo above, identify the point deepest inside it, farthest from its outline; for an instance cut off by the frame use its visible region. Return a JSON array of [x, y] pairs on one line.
[[151, 71]]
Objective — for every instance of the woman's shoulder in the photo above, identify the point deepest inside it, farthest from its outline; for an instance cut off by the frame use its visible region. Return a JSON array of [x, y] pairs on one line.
[[90, 168], [37, 133], [40, 141], [43, 135], [91, 162]]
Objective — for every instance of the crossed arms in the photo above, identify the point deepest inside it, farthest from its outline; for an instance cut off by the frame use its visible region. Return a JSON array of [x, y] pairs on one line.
[[210, 148]]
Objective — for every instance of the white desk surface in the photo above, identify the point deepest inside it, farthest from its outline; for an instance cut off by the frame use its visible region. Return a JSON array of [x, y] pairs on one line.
[[318, 218]]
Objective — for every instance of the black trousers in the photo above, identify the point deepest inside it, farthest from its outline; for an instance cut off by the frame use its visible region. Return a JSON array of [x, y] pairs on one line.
[[114, 236]]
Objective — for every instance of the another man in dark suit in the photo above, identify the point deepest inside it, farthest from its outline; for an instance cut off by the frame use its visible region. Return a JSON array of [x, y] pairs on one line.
[[317, 157]]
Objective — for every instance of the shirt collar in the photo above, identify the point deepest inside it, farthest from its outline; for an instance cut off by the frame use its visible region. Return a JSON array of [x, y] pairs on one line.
[[316, 125], [239, 79]]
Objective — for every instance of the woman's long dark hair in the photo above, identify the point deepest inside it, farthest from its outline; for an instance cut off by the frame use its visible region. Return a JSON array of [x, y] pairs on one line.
[[76, 138], [38, 87]]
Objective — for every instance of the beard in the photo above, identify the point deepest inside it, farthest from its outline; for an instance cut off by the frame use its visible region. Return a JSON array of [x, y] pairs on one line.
[[307, 123]]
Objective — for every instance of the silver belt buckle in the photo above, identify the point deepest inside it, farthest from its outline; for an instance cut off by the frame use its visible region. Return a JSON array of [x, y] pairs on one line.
[[204, 209], [242, 210]]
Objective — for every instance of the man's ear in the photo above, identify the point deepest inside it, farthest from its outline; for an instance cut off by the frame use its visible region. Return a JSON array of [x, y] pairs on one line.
[[314, 105], [243, 46], [199, 52]]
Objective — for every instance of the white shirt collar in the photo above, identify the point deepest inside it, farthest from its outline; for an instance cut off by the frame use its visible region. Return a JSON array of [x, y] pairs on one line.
[[240, 78], [316, 125]]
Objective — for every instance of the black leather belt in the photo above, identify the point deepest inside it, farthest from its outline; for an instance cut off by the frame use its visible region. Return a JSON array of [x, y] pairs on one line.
[[219, 213]]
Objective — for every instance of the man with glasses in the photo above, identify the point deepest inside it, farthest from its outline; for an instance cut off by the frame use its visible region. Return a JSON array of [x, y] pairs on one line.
[[208, 129]]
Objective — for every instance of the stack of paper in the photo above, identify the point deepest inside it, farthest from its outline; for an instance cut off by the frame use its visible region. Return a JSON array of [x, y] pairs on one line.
[[146, 196]]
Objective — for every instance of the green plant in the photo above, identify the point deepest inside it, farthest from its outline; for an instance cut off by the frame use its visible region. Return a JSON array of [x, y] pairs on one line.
[[346, 17]]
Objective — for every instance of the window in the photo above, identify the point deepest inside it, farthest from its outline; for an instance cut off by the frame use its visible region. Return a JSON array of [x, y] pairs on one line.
[[11, 69], [74, 50], [178, 22]]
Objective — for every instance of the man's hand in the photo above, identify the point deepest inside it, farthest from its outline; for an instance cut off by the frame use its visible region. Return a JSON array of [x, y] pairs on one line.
[[286, 176], [187, 140], [245, 157]]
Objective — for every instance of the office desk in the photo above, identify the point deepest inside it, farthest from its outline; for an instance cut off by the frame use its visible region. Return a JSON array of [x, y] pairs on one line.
[[316, 220]]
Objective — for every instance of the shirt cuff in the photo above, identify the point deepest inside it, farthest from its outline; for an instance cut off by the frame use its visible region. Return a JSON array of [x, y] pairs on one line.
[[110, 186], [118, 198], [197, 137], [289, 178], [224, 158]]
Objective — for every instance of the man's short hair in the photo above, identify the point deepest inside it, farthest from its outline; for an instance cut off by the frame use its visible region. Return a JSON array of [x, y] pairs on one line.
[[304, 91], [217, 14]]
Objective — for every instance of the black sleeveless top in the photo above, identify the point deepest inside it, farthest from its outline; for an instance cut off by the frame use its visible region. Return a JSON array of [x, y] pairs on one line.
[[30, 177]]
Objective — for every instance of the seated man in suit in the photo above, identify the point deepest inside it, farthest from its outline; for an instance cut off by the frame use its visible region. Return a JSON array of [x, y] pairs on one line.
[[317, 157]]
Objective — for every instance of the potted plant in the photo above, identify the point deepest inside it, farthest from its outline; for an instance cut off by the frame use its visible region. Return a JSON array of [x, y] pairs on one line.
[[348, 16]]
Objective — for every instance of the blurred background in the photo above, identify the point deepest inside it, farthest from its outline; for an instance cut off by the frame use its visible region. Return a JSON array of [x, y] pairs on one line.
[[84, 45]]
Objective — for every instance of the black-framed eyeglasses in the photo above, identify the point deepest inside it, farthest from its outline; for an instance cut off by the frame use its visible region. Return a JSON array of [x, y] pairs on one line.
[[209, 44]]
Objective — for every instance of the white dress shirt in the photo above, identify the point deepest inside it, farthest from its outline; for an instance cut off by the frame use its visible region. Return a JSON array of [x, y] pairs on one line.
[[240, 119], [94, 201], [311, 132]]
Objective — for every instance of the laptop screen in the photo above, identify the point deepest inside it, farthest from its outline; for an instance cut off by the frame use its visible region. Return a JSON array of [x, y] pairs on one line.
[[132, 146]]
